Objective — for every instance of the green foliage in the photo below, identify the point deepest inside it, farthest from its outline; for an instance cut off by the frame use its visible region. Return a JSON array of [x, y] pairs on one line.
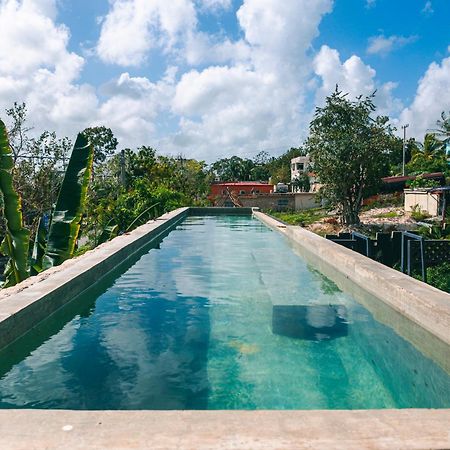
[[40, 243], [66, 218], [103, 140], [302, 218], [439, 277], [302, 183], [434, 232], [428, 157], [349, 150], [16, 242], [417, 214], [233, 169], [442, 132], [387, 215], [280, 168], [421, 182]]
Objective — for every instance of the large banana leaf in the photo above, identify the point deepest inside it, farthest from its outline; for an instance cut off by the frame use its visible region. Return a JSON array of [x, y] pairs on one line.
[[40, 244], [16, 242], [66, 218]]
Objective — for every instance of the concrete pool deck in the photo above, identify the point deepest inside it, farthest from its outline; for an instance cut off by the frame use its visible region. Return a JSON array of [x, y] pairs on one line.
[[198, 430], [23, 306]]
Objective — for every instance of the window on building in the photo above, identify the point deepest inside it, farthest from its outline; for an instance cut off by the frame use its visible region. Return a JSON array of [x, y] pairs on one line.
[[242, 192], [257, 191], [293, 166], [300, 166]]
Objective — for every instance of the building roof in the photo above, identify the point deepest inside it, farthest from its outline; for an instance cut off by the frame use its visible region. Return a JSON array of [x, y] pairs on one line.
[[241, 183], [411, 177]]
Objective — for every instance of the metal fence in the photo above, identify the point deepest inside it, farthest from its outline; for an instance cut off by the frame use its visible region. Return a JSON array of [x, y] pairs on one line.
[[403, 250]]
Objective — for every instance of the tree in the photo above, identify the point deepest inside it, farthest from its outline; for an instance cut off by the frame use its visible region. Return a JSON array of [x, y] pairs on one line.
[[280, 168], [442, 132], [233, 169], [18, 138], [103, 140], [349, 151], [428, 157], [302, 183]]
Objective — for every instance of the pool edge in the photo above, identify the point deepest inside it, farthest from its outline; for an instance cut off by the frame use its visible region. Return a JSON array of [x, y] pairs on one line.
[[358, 429], [420, 303], [25, 305]]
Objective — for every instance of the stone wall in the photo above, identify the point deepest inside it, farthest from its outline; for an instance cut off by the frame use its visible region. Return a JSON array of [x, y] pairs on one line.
[[280, 202]]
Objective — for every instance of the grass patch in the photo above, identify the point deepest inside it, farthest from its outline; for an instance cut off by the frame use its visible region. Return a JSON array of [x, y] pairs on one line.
[[302, 218], [387, 215]]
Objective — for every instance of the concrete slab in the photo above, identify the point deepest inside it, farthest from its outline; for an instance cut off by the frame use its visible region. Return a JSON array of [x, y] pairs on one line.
[[346, 430]]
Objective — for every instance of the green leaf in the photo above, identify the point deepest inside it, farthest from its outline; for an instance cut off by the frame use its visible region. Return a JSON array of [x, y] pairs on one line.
[[66, 218], [143, 217], [16, 242], [40, 243], [108, 233]]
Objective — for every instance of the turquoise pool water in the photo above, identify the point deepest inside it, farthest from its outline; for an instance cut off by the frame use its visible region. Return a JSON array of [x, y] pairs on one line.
[[220, 315]]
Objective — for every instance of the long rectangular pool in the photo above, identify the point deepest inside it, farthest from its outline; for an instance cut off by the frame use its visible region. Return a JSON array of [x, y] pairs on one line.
[[220, 314]]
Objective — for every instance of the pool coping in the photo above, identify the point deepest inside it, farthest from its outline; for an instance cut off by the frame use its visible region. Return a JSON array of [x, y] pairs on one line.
[[25, 305], [42, 295], [214, 430]]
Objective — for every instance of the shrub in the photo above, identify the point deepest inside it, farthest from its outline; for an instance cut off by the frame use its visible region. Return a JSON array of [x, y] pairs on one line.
[[417, 213], [439, 276]]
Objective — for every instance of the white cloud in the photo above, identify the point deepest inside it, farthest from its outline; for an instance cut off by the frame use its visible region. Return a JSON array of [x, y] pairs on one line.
[[258, 101], [428, 9], [133, 106], [133, 27], [214, 5], [352, 76], [432, 97], [383, 45], [202, 48], [370, 3], [36, 67]]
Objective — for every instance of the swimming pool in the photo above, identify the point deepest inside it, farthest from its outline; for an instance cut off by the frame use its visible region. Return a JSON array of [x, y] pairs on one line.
[[221, 314]]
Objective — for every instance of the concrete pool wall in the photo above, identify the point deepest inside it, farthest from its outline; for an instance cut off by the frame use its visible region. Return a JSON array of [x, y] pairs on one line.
[[393, 297], [24, 306]]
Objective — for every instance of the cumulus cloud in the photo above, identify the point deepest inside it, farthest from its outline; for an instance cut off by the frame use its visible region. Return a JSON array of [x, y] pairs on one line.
[[36, 67], [256, 102], [133, 27], [133, 106], [432, 97], [352, 76], [383, 45]]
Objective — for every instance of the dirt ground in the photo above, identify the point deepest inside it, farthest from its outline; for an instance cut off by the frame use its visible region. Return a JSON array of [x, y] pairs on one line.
[[376, 219]]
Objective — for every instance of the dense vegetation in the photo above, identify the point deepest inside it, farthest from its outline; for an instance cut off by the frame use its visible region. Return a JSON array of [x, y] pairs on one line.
[[57, 202]]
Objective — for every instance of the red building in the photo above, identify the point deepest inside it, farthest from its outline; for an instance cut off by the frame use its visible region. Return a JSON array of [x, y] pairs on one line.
[[240, 188]]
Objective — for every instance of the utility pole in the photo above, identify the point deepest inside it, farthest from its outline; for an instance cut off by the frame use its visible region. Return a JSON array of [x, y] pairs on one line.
[[123, 177], [404, 127]]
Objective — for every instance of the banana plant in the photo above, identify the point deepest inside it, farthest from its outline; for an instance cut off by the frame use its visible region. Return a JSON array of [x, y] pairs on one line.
[[16, 242], [40, 243], [66, 218]]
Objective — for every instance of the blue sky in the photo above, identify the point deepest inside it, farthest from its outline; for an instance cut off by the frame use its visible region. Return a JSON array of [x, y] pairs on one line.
[[212, 78]]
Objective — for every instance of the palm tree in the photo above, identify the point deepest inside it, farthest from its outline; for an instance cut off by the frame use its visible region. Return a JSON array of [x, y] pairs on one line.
[[429, 150], [442, 132]]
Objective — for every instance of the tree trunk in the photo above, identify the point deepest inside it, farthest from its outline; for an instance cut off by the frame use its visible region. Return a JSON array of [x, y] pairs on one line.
[[350, 215]]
